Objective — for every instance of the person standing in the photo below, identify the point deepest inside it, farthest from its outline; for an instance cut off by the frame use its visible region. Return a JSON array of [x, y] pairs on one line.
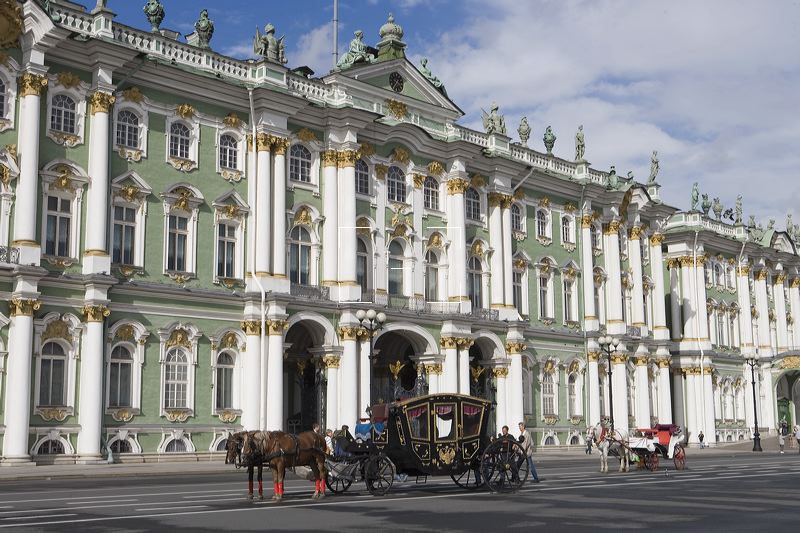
[[781, 441], [797, 437], [329, 441], [701, 438], [589, 434], [527, 445]]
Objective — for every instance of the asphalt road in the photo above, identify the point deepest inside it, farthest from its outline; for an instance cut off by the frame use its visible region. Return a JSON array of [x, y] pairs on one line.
[[714, 493]]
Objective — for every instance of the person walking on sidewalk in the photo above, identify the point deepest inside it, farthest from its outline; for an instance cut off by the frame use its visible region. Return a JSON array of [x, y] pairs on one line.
[[701, 438], [588, 450], [527, 445], [781, 441]]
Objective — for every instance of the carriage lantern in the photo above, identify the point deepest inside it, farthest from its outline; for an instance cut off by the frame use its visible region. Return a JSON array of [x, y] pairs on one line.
[[752, 362], [609, 345], [371, 322]]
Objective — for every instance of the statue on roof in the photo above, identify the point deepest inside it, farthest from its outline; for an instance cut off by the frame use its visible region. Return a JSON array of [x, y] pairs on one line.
[[357, 53], [580, 145], [705, 205], [549, 139], [630, 176], [771, 224], [717, 208], [494, 122], [695, 197], [654, 166], [267, 46], [738, 219], [155, 14], [612, 182], [789, 224], [751, 223], [436, 82], [524, 131], [204, 28]]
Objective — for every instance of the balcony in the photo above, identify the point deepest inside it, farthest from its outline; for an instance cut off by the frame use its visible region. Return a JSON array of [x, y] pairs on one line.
[[9, 255], [417, 304], [310, 292]]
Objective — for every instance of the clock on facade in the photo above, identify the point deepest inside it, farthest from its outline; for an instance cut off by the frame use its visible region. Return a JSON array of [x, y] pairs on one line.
[[396, 81]]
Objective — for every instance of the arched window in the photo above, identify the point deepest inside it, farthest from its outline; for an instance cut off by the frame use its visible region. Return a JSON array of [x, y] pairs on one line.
[[544, 294], [731, 277], [597, 241], [517, 277], [179, 140], [396, 185], [121, 446], [300, 163], [431, 191], [120, 371], [722, 328], [222, 445], [719, 275], [177, 243], [709, 274], [569, 300], [51, 447], [550, 441], [127, 129], [176, 382], [63, 116], [574, 440], [299, 255], [362, 265], [548, 395], [572, 395], [52, 375], [175, 446], [362, 177], [516, 218], [224, 385], [228, 152], [59, 222], [472, 202], [541, 225], [475, 282], [566, 230], [431, 276], [396, 263]]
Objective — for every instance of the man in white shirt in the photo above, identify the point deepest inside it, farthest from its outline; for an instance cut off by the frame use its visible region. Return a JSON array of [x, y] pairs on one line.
[[527, 445]]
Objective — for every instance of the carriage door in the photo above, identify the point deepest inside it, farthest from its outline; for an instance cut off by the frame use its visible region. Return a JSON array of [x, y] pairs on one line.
[[446, 430], [470, 430]]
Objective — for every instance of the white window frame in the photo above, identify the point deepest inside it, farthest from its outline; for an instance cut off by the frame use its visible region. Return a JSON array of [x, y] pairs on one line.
[[231, 174], [71, 345], [172, 201], [176, 434], [477, 201], [522, 228], [74, 193], [193, 124], [481, 278], [291, 241], [596, 236], [524, 307], [52, 435], [545, 238], [130, 190], [554, 376], [136, 344], [430, 191], [78, 95], [436, 269], [370, 188], [236, 351], [600, 289], [289, 159], [406, 272], [545, 270], [238, 220], [192, 334], [128, 152], [8, 74], [403, 183], [570, 314], [568, 231]]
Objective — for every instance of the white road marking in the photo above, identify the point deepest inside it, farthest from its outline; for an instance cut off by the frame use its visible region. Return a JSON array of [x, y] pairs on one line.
[[40, 516], [215, 491], [172, 508], [90, 502]]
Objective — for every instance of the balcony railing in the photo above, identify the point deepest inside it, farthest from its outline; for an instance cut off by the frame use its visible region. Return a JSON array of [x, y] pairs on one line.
[[484, 314], [419, 305], [634, 331], [9, 255], [310, 292]]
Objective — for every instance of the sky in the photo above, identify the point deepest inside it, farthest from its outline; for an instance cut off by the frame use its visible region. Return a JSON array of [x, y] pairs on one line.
[[713, 85]]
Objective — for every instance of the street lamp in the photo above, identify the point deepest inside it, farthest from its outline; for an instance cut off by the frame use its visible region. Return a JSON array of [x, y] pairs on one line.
[[752, 362], [609, 345], [371, 322]]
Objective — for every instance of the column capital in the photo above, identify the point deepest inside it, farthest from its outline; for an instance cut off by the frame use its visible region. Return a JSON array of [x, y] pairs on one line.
[[348, 333], [612, 228], [347, 158], [276, 327], [780, 278], [23, 306], [586, 221], [95, 313], [744, 270], [448, 342], [101, 102], [513, 347], [464, 343], [500, 372], [251, 327], [330, 158], [280, 145], [795, 283], [593, 357], [635, 233], [663, 363], [686, 261], [263, 141], [433, 369], [619, 358], [457, 186], [506, 200], [762, 275], [640, 360], [656, 239], [331, 361], [494, 199], [32, 84]]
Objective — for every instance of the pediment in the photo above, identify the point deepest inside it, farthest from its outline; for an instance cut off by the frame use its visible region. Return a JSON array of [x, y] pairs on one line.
[[781, 242]]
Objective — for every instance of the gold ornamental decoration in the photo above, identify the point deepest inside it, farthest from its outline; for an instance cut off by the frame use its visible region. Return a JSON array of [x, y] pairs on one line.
[[227, 416], [177, 415], [347, 158], [457, 186], [380, 171], [280, 145], [276, 327], [544, 202], [129, 193], [780, 278], [251, 327], [476, 249], [400, 155], [790, 362], [95, 313], [569, 207], [395, 368], [332, 361], [464, 343], [435, 241], [435, 168], [506, 200], [493, 199], [330, 158], [122, 415], [477, 181], [179, 337], [635, 233], [348, 333], [419, 180], [500, 372], [306, 135], [447, 342], [549, 367], [619, 359], [656, 239], [53, 413], [100, 102], [229, 340], [133, 95], [592, 356], [124, 333], [303, 216], [515, 347], [447, 454], [398, 109], [366, 149], [263, 142], [57, 329], [586, 221], [31, 84], [476, 372], [761, 275], [519, 194], [185, 111], [23, 306], [11, 24], [795, 283], [68, 80], [232, 120], [433, 369], [612, 228]]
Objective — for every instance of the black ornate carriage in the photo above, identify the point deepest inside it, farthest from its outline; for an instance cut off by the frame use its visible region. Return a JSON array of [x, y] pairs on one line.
[[432, 435]]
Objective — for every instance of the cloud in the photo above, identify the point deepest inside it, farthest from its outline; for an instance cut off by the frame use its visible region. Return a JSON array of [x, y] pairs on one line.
[[240, 50], [314, 49]]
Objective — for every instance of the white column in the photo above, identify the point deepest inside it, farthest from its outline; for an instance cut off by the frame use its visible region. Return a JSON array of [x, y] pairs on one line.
[[748, 397], [449, 381], [514, 392], [434, 372], [794, 302], [637, 291], [745, 315], [687, 294], [330, 228], [700, 302], [496, 242], [660, 331], [349, 408], [463, 364], [766, 416], [762, 306], [457, 255], [332, 363], [710, 424], [349, 289], [692, 429], [614, 322], [679, 397], [593, 388], [590, 314], [642, 392], [508, 267], [275, 398], [676, 327], [25, 212], [780, 312], [620, 384], [664, 395], [263, 215], [251, 366], [96, 258], [90, 406], [279, 147], [364, 373], [18, 380], [501, 415]]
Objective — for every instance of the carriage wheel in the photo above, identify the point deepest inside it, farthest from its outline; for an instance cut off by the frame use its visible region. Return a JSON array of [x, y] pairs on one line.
[[679, 457], [337, 485], [504, 466], [470, 479], [651, 462], [379, 474]]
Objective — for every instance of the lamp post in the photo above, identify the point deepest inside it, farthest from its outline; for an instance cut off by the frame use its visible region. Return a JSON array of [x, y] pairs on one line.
[[371, 322], [752, 362], [609, 345]]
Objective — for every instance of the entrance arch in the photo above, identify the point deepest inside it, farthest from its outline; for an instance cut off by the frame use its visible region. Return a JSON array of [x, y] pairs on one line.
[[787, 395], [394, 368], [481, 378], [303, 376]]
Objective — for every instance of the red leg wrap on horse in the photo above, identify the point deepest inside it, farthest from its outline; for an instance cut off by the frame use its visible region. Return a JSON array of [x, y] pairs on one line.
[[250, 487], [275, 488], [280, 487], [316, 485], [260, 487]]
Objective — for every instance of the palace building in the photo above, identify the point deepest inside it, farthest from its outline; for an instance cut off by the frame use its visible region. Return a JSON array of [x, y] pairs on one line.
[[187, 241]]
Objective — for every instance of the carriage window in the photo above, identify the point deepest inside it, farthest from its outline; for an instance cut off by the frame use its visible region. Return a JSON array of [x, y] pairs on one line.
[[418, 422], [472, 420], [445, 428]]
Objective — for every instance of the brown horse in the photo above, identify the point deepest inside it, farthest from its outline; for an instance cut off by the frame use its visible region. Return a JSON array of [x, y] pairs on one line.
[[234, 456]]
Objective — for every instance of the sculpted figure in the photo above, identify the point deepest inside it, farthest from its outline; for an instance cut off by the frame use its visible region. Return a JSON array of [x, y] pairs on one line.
[[155, 14], [580, 145], [789, 224], [524, 131], [549, 140], [357, 53], [738, 219], [751, 223], [436, 82], [695, 196], [204, 29], [493, 121], [654, 165], [705, 205], [717, 207], [268, 46], [613, 179], [771, 224]]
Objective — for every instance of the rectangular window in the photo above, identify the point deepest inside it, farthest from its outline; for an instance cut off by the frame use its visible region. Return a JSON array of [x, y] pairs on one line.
[[518, 291], [431, 284], [177, 243], [568, 302], [226, 250], [543, 308], [124, 235], [120, 386], [51, 384], [224, 388], [59, 219], [395, 277]]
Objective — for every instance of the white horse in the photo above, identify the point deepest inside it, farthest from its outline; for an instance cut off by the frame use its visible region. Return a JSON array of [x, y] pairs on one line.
[[609, 444]]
